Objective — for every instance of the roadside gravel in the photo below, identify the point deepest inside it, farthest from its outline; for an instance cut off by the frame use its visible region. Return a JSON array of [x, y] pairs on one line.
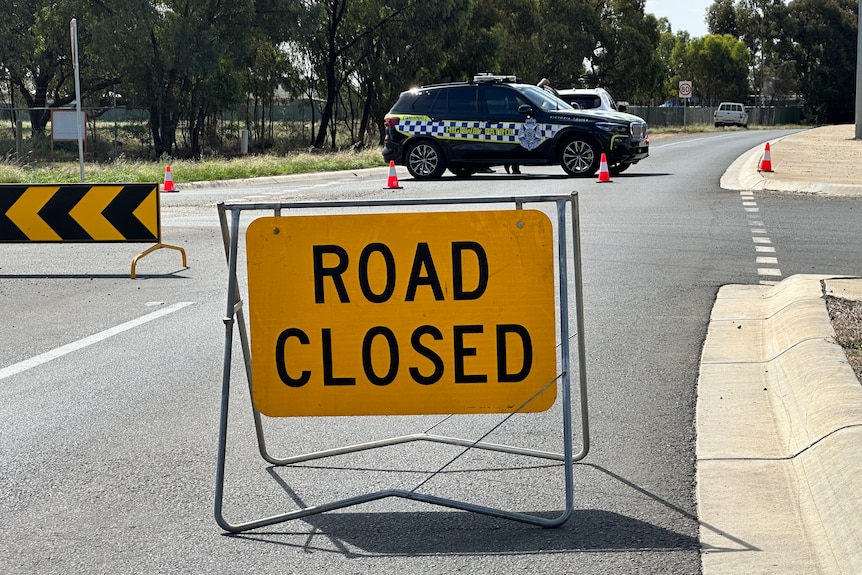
[[846, 316]]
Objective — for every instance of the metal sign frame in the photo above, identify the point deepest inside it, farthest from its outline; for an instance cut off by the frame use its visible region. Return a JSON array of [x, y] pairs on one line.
[[234, 316]]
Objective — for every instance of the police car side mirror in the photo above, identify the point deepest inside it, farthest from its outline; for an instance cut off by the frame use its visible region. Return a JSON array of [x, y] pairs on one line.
[[525, 109]]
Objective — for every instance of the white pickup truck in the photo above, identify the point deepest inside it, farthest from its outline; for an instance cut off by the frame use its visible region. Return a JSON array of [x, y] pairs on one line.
[[731, 114]]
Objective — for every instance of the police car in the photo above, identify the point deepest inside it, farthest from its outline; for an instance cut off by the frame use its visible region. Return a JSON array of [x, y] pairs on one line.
[[495, 120]]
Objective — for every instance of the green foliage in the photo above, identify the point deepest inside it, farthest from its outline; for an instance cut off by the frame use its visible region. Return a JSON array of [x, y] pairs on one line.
[[206, 169], [192, 64], [722, 19], [826, 43], [801, 48], [628, 61], [568, 38], [718, 66], [35, 55]]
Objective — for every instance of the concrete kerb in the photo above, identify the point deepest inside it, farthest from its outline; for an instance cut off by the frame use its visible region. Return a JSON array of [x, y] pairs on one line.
[[743, 173], [287, 179], [779, 417]]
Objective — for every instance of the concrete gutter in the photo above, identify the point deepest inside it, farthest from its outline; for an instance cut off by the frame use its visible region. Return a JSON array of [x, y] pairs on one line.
[[779, 428]]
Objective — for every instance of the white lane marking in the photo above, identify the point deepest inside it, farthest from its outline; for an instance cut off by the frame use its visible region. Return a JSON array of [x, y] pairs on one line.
[[87, 341], [761, 242], [656, 146]]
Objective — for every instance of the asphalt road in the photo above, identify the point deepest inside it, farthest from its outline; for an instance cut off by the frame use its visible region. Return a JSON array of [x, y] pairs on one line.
[[108, 448]]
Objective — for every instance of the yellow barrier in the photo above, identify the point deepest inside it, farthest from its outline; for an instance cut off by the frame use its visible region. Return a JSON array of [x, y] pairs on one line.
[[82, 213]]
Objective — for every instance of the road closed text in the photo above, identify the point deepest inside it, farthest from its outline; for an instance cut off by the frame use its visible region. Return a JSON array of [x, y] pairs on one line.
[[412, 313]]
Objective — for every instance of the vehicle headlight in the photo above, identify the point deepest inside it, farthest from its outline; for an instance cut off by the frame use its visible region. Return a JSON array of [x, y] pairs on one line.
[[613, 128]]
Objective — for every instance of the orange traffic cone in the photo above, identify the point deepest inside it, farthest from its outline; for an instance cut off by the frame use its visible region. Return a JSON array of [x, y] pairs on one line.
[[765, 161], [168, 186], [604, 174], [392, 182]]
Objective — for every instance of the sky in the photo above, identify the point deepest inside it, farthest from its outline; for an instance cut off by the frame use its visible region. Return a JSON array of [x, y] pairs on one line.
[[689, 15]]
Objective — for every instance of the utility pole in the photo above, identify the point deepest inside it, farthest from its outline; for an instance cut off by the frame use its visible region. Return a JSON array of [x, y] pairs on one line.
[[73, 26], [859, 72]]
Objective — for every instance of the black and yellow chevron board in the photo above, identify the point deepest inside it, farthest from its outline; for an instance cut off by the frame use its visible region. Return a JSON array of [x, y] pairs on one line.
[[79, 213]]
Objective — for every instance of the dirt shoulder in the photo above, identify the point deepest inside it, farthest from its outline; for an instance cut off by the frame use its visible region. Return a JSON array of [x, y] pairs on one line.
[[828, 154], [846, 317]]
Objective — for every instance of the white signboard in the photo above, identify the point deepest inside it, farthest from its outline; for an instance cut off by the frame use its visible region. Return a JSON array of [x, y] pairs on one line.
[[685, 88], [63, 127]]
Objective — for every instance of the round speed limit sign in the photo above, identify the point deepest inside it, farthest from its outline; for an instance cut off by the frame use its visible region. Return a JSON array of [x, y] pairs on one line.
[[685, 89]]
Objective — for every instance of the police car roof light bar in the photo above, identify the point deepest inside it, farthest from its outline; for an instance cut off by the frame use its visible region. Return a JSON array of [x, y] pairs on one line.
[[487, 77]]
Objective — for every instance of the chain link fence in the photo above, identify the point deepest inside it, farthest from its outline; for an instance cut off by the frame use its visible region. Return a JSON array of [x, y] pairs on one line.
[[112, 133], [690, 115], [115, 133]]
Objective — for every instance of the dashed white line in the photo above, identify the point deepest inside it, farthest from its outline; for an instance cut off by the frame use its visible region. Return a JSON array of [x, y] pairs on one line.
[[87, 341], [762, 243]]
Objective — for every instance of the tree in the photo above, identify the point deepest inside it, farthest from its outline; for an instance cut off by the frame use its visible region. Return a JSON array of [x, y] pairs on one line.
[[718, 65], [180, 60], [627, 61], [35, 55], [337, 39], [266, 68], [501, 38], [671, 53], [568, 37], [824, 43], [721, 18], [764, 26], [519, 24]]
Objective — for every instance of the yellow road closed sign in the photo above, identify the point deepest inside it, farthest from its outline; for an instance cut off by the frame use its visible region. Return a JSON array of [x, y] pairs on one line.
[[402, 314]]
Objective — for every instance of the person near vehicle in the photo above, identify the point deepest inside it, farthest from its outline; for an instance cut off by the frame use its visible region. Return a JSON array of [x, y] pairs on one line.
[[545, 84]]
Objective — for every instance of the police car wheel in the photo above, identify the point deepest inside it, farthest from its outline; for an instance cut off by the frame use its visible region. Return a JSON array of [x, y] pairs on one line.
[[579, 157], [425, 160]]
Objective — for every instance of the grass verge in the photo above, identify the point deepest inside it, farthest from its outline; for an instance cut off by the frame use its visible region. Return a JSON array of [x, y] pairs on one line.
[[212, 169], [208, 169]]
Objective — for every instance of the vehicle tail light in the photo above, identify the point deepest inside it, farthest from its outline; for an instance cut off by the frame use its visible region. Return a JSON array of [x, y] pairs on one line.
[[391, 121]]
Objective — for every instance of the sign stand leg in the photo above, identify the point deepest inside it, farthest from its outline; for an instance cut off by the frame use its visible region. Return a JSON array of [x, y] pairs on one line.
[[151, 249]]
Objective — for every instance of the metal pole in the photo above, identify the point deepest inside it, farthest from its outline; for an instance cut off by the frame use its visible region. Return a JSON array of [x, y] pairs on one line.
[[19, 138], [859, 73], [73, 25]]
